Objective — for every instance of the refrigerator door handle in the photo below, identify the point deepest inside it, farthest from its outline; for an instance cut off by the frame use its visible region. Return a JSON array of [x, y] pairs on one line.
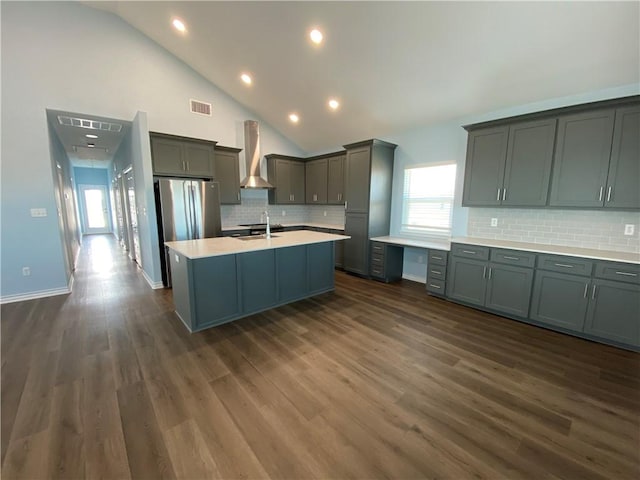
[[186, 197], [196, 216]]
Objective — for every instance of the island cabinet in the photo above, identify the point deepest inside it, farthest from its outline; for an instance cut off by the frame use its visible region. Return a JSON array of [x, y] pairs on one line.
[[598, 299], [176, 156], [227, 173], [316, 176], [213, 290], [368, 176], [509, 165], [495, 279], [287, 175]]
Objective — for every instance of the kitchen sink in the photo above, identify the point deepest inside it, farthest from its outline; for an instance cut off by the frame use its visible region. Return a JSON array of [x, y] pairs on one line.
[[255, 237]]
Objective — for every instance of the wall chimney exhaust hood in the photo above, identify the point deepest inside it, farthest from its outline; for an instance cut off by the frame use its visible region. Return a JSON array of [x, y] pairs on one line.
[[252, 157]]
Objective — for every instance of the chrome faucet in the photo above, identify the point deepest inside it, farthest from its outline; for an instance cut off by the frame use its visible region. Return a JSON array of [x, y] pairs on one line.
[[266, 215]]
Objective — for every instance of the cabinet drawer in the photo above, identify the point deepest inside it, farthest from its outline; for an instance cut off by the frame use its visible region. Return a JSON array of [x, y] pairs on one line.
[[377, 271], [572, 265], [377, 247], [621, 272], [437, 257], [470, 251], [377, 260], [436, 286], [513, 257], [436, 272]]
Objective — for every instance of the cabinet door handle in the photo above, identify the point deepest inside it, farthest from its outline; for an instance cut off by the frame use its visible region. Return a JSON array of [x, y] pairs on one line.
[[434, 286], [586, 288], [565, 265], [436, 258], [437, 272], [601, 192], [504, 194], [238, 195], [593, 293], [484, 272], [469, 252], [345, 204], [187, 165], [490, 273], [183, 167], [498, 197], [609, 194], [510, 258], [628, 274]]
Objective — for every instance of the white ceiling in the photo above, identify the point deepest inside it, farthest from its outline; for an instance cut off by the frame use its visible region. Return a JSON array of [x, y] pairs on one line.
[[394, 65], [75, 141]]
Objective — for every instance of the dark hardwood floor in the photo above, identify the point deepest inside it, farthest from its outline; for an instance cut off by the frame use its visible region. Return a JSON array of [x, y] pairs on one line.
[[371, 381]]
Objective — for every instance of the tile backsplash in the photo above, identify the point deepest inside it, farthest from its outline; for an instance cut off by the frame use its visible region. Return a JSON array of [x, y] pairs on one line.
[[255, 202], [602, 230]]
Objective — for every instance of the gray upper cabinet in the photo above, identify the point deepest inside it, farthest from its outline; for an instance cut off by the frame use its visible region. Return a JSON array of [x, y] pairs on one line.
[[510, 165], [623, 190], [484, 170], [583, 149], [368, 177], [183, 157], [287, 175], [316, 173], [227, 168], [335, 180], [528, 163]]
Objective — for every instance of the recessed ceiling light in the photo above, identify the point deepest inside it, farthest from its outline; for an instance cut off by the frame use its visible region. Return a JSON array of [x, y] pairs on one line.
[[294, 118], [246, 78], [316, 36], [334, 104], [179, 25], [91, 135]]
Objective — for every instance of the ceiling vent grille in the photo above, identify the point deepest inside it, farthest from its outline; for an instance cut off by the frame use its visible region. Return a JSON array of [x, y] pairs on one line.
[[91, 124], [201, 108]]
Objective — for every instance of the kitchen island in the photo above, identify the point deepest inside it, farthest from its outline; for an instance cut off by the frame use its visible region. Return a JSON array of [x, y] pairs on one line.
[[218, 280]]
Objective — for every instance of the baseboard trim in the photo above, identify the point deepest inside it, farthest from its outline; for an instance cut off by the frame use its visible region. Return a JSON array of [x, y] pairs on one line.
[[152, 284], [23, 297], [414, 278]]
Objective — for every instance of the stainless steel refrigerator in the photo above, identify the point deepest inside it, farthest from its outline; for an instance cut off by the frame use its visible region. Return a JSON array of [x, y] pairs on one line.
[[186, 210]]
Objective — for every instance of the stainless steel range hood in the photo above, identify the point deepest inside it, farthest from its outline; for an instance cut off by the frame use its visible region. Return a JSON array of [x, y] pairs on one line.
[[252, 157]]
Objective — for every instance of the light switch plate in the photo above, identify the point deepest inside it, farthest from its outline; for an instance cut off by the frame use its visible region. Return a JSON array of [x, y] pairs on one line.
[[629, 228], [494, 222], [38, 212]]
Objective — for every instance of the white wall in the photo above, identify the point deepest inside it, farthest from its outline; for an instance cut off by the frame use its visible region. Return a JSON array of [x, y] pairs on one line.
[[67, 56]]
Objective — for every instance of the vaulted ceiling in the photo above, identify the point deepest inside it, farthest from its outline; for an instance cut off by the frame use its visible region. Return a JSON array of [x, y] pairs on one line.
[[394, 65]]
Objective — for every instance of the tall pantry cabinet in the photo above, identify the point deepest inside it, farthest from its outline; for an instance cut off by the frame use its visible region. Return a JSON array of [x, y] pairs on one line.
[[368, 179]]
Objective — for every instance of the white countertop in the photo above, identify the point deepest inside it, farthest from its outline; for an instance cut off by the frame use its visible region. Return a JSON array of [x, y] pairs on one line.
[[435, 244], [212, 247], [608, 255], [290, 224]]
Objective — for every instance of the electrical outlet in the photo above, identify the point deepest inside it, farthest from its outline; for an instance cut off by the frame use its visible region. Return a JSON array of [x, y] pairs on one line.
[[284, 213], [629, 228], [325, 213], [420, 258], [38, 212], [494, 222], [26, 271]]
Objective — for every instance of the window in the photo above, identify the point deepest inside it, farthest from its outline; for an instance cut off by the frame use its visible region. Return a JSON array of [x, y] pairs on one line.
[[427, 201]]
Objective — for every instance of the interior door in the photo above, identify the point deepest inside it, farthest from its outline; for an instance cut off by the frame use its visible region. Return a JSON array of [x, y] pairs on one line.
[[95, 211]]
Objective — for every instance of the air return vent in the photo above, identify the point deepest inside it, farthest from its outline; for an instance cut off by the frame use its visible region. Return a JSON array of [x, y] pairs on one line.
[[201, 108], [86, 123]]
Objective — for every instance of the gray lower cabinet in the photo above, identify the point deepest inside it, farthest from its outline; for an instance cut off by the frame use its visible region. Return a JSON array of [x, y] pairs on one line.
[[491, 279], [614, 311], [386, 262], [437, 272], [356, 249], [183, 157], [227, 169], [560, 299]]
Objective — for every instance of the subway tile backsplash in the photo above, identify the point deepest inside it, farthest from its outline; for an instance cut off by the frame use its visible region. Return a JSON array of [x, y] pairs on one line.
[[602, 230], [255, 202]]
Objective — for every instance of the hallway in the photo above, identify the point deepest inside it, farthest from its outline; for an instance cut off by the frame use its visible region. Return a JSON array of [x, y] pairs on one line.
[[370, 381]]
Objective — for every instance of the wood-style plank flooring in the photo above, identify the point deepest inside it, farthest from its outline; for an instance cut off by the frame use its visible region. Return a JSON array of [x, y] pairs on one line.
[[371, 381]]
